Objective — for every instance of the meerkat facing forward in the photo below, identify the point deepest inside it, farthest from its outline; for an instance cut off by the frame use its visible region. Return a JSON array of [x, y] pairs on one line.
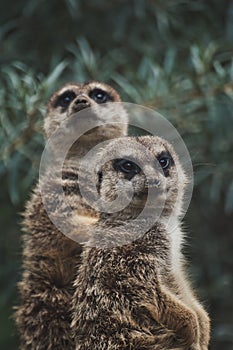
[[50, 258], [127, 295]]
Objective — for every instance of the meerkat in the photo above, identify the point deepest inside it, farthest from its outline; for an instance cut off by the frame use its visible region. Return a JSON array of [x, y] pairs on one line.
[[127, 294], [50, 258]]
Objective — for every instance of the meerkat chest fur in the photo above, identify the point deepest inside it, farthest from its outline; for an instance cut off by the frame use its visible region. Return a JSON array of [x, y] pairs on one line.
[[176, 237], [115, 288]]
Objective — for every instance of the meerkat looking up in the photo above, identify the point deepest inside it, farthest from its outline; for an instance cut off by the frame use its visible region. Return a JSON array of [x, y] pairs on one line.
[[50, 258], [72, 98], [126, 292], [93, 101]]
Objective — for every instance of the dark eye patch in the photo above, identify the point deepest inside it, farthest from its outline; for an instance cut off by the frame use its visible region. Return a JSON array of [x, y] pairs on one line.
[[65, 99], [127, 167], [166, 162], [100, 178], [100, 96]]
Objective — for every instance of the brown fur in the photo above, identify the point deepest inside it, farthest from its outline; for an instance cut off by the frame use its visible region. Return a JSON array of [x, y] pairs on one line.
[[128, 293], [50, 259]]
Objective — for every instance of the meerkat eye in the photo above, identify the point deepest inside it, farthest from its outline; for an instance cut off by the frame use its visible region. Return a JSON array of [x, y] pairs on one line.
[[99, 96], [65, 99], [126, 166], [165, 162]]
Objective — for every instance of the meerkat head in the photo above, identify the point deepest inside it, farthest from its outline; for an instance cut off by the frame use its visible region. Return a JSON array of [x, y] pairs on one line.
[[142, 167], [73, 97]]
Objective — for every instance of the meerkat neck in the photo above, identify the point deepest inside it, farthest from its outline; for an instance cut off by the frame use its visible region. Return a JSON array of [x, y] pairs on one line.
[[120, 217], [107, 233]]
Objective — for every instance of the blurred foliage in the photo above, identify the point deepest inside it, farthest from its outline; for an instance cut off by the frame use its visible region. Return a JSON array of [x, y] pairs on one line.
[[174, 56]]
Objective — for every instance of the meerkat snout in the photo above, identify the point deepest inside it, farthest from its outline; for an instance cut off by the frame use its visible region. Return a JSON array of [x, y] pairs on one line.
[[81, 102]]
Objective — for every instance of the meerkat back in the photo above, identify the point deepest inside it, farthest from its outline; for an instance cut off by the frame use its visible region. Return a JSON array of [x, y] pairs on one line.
[[50, 259]]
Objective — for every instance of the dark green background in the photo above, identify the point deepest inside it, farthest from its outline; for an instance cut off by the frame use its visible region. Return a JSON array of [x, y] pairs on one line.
[[174, 56]]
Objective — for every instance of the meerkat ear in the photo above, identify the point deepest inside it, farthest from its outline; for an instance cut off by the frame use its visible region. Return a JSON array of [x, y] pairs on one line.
[[100, 177]]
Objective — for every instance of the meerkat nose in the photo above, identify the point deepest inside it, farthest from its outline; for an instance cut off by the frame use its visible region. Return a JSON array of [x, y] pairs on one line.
[[80, 103]]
